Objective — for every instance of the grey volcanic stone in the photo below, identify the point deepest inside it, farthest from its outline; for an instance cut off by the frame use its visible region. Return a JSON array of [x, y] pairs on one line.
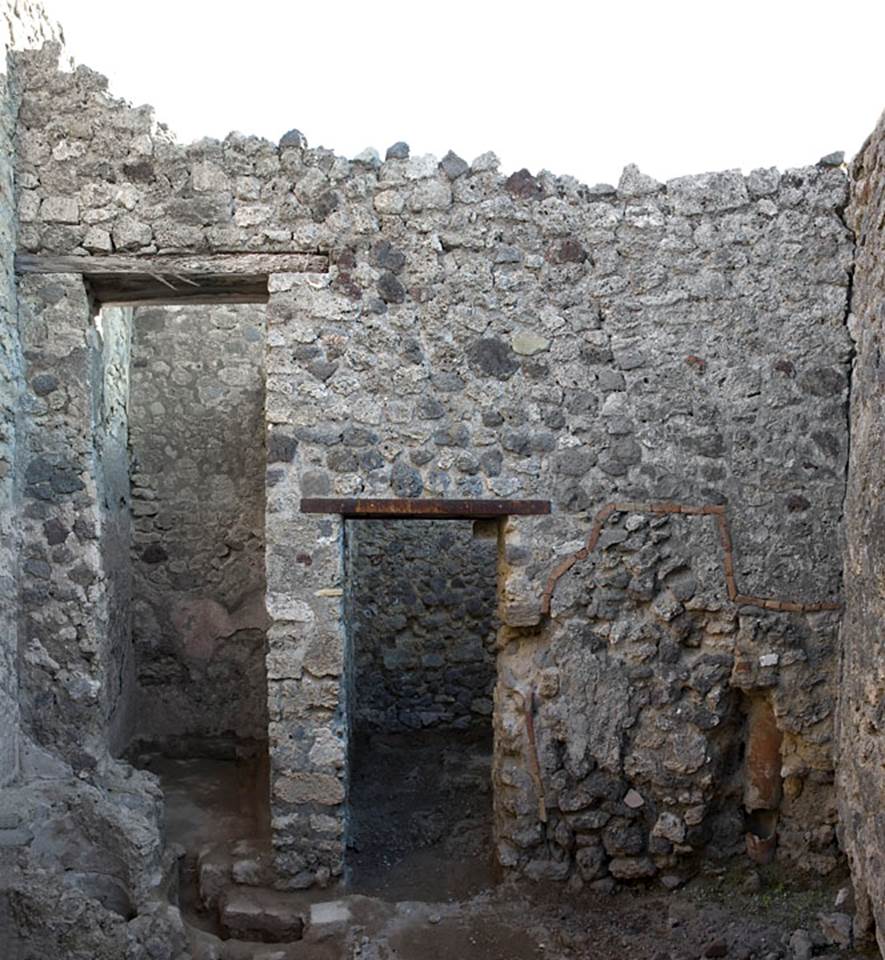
[[398, 151], [281, 447], [44, 383], [293, 138], [405, 481], [493, 358], [390, 289], [453, 166], [388, 256], [258, 914]]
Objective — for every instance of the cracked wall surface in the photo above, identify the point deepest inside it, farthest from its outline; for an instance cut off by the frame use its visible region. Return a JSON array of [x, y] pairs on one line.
[[514, 337], [862, 688], [198, 463]]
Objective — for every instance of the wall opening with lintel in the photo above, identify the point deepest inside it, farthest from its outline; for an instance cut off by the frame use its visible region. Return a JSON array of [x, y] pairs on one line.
[[420, 616]]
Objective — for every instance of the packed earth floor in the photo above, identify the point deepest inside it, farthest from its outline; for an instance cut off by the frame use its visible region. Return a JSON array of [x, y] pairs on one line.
[[422, 886]]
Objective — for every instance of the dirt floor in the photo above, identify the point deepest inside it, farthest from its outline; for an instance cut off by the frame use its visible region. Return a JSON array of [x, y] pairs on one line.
[[209, 801], [422, 885], [421, 815]]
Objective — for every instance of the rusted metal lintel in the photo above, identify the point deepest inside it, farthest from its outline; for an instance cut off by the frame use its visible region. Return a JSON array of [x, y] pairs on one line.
[[424, 509]]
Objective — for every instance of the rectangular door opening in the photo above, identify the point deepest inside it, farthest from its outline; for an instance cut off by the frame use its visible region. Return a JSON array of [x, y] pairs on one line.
[[420, 605]]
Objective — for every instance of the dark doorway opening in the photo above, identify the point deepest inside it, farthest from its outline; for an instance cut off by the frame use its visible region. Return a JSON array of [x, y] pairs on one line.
[[420, 610]]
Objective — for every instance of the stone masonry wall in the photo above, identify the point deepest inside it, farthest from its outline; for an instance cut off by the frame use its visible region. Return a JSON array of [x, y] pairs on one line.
[[75, 681], [109, 825], [529, 337], [681, 684], [111, 433], [421, 623], [198, 464], [862, 688], [21, 25]]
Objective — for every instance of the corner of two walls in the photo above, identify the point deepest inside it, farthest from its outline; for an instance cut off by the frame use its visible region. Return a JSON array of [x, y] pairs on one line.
[[184, 549]]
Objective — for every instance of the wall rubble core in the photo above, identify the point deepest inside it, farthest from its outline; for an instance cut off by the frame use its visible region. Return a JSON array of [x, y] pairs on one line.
[[444, 332], [709, 510]]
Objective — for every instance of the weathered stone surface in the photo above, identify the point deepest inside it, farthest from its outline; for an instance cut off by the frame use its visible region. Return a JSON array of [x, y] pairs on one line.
[[524, 186], [836, 928], [634, 183], [528, 344], [293, 138], [861, 720], [453, 166], [263, 915], [328, 919], [310, 788], [632, 868]]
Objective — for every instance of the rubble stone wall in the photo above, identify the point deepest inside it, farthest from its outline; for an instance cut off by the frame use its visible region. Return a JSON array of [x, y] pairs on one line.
[[76, 664], [421, 622], [528, 337], [862, 688], [198, 464], [68, 840], [21, 24]]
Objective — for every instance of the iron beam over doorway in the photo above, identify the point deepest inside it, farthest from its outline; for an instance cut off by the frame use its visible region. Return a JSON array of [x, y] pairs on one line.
[[424, 509]]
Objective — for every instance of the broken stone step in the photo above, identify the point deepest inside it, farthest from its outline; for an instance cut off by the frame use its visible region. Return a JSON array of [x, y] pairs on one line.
[[258, 914], [213, 873], [252, 863], [329, 919], [206, 946]]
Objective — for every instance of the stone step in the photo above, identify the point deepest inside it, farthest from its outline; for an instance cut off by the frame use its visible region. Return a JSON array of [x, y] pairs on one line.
[[206, 946], [260, 914], [243, 862]]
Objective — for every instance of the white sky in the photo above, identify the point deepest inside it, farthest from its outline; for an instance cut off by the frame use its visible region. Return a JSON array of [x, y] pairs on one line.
[[579, 88]]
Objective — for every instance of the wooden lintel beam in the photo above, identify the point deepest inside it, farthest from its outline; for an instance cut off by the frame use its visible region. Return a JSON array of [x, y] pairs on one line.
[[423, 509], [175, 264], [140, 289]]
